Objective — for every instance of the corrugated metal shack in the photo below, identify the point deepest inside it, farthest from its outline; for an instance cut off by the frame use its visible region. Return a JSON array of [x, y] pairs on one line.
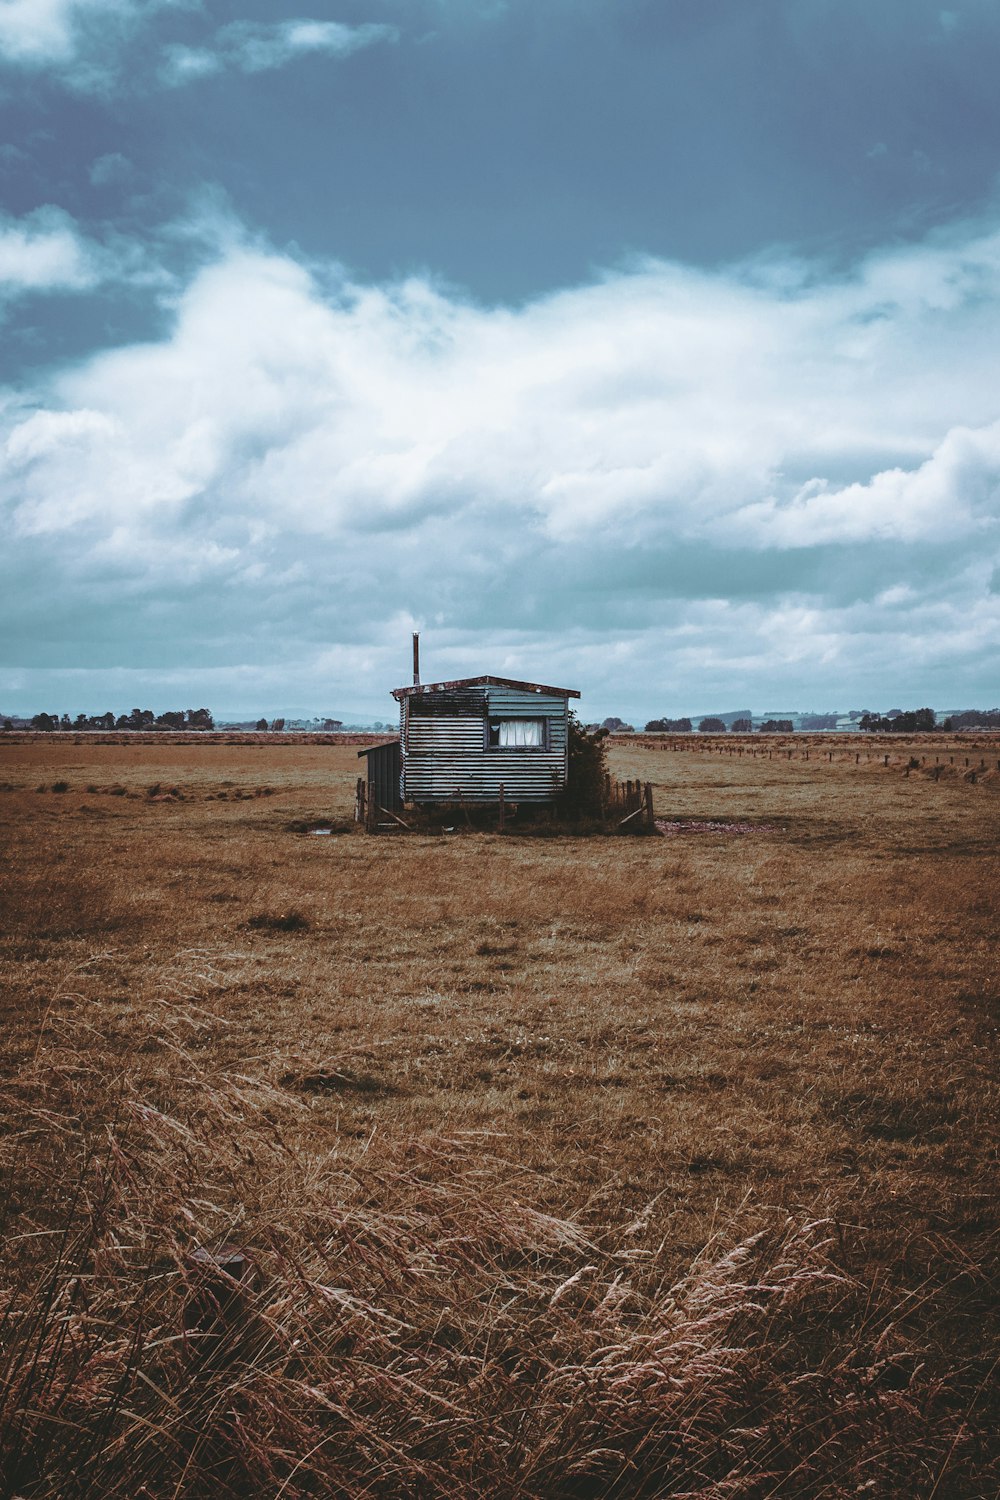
[[464, 740]]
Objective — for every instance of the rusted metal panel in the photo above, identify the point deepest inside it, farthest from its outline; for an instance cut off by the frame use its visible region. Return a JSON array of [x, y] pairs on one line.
[[468, 682], [450, 702]]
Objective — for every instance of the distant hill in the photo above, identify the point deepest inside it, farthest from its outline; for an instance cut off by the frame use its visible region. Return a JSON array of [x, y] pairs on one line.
[[727, 718]]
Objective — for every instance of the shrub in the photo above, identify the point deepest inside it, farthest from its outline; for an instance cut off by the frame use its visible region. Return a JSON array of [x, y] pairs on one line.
[[584, 794]]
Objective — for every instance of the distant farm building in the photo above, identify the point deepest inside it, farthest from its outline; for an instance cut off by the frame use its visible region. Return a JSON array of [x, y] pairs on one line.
[[476, 740]]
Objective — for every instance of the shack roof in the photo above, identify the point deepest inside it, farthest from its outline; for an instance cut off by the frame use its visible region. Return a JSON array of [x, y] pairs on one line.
[[382, 745], [470, 682]]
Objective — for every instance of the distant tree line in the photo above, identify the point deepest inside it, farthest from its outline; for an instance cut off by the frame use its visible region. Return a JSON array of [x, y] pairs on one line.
[[919, 721], [895, 721], [296, 726], [139, 718], [711, 725], [974, 718], [146, 719]]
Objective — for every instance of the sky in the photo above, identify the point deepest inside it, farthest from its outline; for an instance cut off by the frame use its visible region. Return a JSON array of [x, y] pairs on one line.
[[645, 347]]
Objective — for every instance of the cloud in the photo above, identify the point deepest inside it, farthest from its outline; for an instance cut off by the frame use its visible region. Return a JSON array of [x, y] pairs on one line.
[[955, 493], [258, 47], [767, 481], [46, 252], [82, 42], [55, 33], [77, 41], [111, 170], [182, 65], [35, 32]]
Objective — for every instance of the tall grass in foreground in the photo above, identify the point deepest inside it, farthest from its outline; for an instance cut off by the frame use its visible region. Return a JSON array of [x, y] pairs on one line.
[[411, 1324]]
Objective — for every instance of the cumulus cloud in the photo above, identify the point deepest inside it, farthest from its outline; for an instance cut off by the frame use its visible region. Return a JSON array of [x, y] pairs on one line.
[[955, 493], [77, 41], [34, 32], [45, 251], [258, 47], [760, 477]]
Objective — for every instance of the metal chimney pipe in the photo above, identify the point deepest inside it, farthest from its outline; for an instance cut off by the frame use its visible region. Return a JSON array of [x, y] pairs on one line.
[[416, 659]]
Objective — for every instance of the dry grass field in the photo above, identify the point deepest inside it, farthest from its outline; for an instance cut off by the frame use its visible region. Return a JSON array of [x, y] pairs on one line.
[[571, 1167]]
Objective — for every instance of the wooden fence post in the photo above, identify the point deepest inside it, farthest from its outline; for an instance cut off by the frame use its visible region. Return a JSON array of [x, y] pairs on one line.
[[217, 1306]]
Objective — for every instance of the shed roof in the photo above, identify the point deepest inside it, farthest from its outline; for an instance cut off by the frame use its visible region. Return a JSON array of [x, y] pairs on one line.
[[468, 682], [383, 745]]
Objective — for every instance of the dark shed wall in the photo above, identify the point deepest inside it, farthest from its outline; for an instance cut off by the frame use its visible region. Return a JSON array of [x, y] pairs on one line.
[[384, 766], [446, 753]]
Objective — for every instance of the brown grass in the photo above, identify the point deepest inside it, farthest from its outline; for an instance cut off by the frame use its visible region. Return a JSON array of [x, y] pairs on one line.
[[563, 1167]]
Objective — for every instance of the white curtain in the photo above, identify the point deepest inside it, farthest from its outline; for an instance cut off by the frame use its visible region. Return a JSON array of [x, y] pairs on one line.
[[515, 733]]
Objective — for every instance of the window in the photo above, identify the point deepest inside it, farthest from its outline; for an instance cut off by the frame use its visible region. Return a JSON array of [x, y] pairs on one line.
[[515, 734]]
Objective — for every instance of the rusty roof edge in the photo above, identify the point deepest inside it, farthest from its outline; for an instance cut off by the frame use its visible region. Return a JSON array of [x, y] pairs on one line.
[[462, 682]]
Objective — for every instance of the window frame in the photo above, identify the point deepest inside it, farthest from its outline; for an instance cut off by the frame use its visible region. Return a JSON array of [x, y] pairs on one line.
[[542, 719]]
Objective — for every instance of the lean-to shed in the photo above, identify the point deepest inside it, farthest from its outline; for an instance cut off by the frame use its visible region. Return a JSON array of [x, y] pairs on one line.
[[466, 739]]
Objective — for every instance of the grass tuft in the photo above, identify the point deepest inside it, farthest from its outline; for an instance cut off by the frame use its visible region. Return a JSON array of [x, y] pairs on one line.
[[286, 921], [330, 1080]]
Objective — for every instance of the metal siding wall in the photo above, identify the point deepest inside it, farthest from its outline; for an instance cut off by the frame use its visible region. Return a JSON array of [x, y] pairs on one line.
[[443, 755], [439, 777], [446, 736], [511, 703]]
